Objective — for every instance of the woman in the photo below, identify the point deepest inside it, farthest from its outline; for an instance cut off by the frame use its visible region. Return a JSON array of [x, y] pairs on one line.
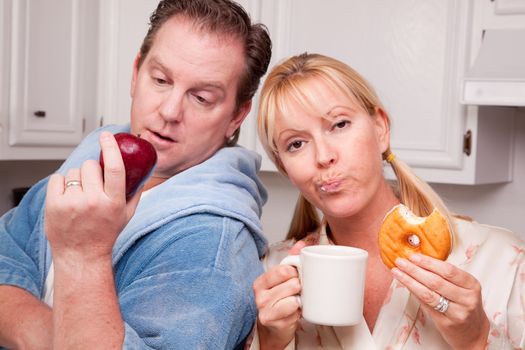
[[324, 128]]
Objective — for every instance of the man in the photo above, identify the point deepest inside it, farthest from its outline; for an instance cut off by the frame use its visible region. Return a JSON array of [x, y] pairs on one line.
[[175, 270]]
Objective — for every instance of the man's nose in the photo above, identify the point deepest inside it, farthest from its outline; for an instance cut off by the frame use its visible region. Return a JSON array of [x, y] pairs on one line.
[[171, 107]]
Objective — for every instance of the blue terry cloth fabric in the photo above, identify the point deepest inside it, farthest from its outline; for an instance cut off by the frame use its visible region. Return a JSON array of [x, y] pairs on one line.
[[184, 265]]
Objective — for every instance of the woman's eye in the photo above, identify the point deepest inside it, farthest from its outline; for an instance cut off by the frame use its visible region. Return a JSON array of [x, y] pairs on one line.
[[294, 146], [341, 124]]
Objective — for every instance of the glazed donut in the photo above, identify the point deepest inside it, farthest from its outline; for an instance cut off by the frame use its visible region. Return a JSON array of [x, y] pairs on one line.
[[403, 233]]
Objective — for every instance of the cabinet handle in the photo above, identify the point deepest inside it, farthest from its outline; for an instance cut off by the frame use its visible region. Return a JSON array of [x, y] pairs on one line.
[[40, 114], [467, 142]]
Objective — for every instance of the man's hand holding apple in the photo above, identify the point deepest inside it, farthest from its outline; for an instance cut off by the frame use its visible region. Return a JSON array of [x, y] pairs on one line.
[[83, 221]]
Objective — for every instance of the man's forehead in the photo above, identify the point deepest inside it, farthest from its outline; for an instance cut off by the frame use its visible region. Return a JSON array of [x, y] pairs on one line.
[[179, 40]]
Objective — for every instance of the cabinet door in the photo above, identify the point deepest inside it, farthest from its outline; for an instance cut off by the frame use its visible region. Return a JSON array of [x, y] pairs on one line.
[[248, 136], [53, 57], [123, 25], [3, 71], [410, 51]]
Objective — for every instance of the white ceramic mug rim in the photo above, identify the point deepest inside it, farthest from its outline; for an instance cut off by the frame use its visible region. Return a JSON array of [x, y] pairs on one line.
[[350, 252]]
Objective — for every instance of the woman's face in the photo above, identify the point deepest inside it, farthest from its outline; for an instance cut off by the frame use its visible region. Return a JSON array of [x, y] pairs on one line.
[[335, 159]]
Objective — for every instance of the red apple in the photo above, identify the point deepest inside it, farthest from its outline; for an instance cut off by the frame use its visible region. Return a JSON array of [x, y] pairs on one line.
[[139, 158]]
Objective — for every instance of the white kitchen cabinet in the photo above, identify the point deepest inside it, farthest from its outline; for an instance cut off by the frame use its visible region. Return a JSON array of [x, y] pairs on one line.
[[415, 54], [123, 25], [48, 67]]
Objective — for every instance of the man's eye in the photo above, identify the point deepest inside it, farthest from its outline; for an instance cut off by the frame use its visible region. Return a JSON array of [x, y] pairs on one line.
[[200, 99], [294, 146], [160, 81]]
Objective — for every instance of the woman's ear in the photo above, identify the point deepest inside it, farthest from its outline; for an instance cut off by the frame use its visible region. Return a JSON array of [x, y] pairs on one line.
[[134, 74], [382, 125]]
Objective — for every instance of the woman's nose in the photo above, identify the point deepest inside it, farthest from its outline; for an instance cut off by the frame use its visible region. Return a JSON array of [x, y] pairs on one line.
[[326, 153], [171, 106]]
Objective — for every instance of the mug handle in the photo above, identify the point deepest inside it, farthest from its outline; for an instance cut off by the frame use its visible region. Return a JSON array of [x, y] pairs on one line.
[[295, 261], [292, 260]]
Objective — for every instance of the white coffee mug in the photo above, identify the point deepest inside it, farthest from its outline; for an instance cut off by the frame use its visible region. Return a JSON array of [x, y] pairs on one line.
[[333, 283]]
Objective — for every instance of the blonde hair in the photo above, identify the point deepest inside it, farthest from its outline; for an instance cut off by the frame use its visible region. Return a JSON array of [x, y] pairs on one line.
[[286, 82]]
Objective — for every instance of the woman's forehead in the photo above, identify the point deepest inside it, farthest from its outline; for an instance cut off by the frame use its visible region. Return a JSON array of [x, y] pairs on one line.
[[307, 96]]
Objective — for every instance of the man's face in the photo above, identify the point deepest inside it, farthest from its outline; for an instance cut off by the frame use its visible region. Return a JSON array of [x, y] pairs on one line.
[[184, 94]]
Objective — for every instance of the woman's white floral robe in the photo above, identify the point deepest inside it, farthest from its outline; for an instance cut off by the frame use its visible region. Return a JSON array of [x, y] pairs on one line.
[[496, 257]]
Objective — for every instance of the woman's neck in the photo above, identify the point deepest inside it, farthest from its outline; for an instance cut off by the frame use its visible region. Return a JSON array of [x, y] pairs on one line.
[[361, 230]]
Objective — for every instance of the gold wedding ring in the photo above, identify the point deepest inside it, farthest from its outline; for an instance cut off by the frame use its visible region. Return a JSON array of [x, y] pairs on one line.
[[73, 183]]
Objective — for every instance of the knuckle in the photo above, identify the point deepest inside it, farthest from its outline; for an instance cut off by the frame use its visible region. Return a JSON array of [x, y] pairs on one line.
[[91, 204], [257, 284], [89, 164], [260, 300], [284, 271], [295, 285], [74, 208], [72, 172], [449, 272], [435, 283], [112, 169], [428, 297], [470, 307], [264, 319], [462, 316], [477, 288], [280, 271]]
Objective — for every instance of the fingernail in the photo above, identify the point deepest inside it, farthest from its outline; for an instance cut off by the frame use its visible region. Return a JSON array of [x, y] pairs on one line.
[[396, 272], [298, 300], [105, 135], [415, 258], [401, 262]]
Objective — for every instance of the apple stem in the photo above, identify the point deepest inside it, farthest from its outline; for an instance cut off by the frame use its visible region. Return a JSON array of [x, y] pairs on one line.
[[138, 135]]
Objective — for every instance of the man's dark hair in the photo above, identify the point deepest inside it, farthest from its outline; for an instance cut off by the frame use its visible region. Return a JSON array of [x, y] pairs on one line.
[[222, 17]]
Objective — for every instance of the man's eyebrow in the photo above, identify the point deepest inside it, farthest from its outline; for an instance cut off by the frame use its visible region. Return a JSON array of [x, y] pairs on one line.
[[204, 84], [156, 62], [210, 85]]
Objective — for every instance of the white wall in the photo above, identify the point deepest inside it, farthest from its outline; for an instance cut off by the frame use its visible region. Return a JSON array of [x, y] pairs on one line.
[[497, 204]]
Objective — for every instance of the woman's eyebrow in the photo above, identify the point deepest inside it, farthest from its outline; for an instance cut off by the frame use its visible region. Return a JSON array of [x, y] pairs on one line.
[[331, 110]]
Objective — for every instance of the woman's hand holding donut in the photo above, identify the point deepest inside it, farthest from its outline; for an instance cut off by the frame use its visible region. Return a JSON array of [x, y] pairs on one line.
[[279, 307], [462, 322]]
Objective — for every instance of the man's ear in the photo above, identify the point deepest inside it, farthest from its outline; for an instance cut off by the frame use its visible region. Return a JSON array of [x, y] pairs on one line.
[[280, 166], [382, 125], [238, 118], [134, 74]]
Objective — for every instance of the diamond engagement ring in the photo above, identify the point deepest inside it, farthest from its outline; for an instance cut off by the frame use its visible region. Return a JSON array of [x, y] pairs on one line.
[[442, 305], [73, 183]]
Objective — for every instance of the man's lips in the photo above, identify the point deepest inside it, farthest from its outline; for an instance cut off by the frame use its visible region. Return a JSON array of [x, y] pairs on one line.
[[162, 137]]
